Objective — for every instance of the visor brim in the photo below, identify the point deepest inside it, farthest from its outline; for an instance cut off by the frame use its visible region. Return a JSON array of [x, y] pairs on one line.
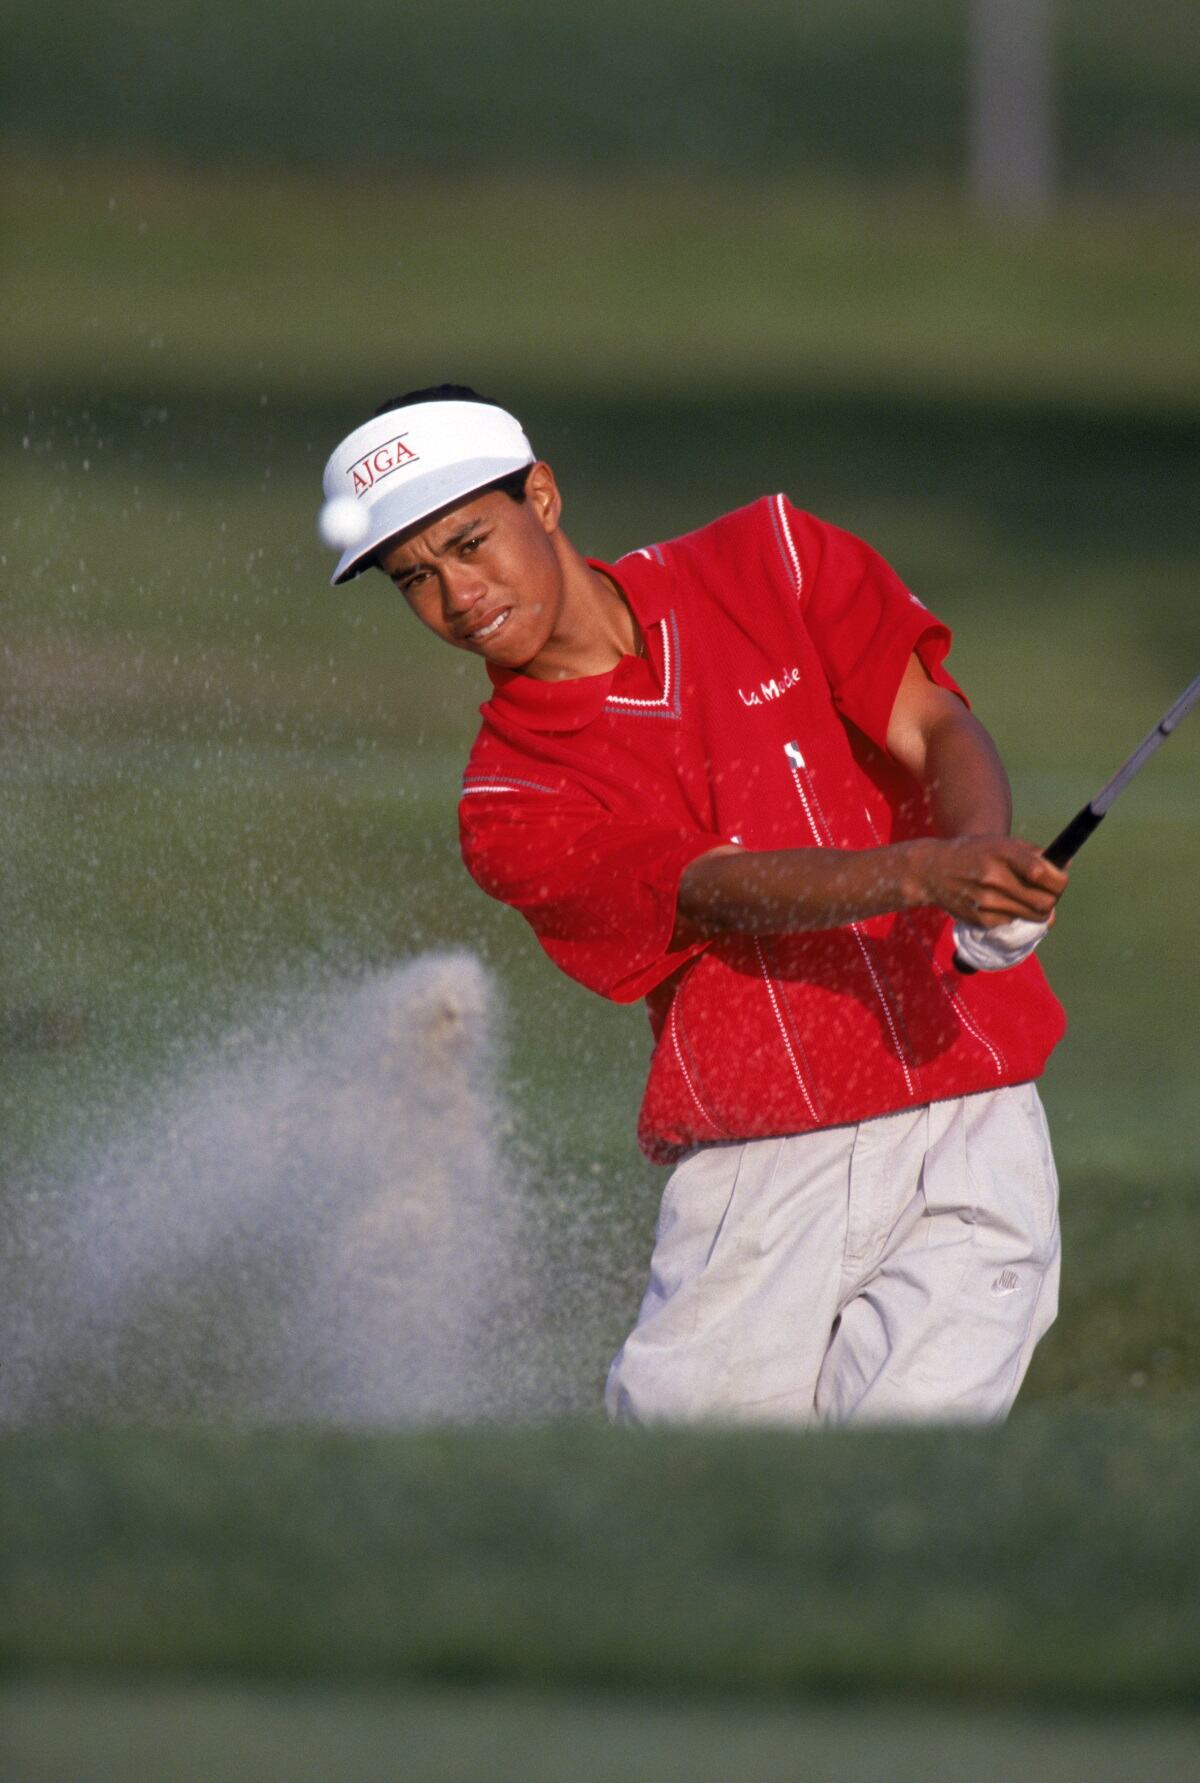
[[401, 509]]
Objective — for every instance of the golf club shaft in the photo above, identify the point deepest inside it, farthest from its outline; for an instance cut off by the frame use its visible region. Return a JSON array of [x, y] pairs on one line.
[[1070, 840]]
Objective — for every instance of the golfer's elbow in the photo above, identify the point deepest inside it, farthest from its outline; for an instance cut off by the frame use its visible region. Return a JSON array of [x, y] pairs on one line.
[[703, 891]]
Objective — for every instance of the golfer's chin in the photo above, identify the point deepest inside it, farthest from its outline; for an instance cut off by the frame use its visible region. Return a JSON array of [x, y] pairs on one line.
[[516, 645]]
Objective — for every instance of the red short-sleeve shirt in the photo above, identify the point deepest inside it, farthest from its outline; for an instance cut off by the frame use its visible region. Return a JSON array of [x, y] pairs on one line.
[[775, 647]]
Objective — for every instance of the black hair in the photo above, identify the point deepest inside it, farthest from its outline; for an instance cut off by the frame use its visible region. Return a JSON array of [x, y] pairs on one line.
[[434, 393], [512, 485]]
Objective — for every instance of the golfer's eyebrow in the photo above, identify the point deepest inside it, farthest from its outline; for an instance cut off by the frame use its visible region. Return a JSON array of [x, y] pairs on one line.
[[456, 538]]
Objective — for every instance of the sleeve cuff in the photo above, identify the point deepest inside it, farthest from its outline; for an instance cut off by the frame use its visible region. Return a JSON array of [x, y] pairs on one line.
[[868, 697]]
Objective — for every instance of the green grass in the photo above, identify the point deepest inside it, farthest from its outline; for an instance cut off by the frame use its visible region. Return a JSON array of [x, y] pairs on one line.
[[239, 286], [879, 87], [190, 1734], [1054, 1562]]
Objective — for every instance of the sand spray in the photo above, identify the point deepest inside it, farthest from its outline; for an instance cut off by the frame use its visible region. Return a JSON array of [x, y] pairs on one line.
[[318, 1220]]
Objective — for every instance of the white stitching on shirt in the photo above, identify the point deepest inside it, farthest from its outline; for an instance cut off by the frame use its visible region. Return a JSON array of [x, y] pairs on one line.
[[940, 978], [883, 1004], [500, 783], [668, 704], [998, 1059], [664, 698], [691, 1088], [787, 1041], [784, 533], [795, 762], [823, 837]]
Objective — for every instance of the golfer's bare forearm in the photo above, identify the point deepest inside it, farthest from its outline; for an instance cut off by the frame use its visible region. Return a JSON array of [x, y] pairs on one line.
[[742, 892], [982, 879]]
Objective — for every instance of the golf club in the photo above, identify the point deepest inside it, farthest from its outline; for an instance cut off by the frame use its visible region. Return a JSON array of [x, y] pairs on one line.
[[1071, 839]]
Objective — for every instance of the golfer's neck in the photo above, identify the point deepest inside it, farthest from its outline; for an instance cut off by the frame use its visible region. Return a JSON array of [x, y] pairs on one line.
[[595, 628]]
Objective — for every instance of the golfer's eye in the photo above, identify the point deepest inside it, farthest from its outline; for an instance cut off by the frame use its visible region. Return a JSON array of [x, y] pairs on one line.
[[469, 545]]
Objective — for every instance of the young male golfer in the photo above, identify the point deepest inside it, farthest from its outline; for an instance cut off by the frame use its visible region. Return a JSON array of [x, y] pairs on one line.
[[730, 774]]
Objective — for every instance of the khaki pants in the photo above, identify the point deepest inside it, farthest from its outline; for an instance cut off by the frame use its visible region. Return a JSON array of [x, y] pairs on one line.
[[900, 1269]]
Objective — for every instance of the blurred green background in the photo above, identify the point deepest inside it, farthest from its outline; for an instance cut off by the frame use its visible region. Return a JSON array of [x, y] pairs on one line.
[[705, 253]]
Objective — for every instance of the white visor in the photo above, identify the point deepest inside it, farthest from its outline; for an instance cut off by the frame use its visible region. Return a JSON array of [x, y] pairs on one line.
[[399, 468]]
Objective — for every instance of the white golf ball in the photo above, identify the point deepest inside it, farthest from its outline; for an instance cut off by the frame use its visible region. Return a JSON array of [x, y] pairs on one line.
[[342, 523]]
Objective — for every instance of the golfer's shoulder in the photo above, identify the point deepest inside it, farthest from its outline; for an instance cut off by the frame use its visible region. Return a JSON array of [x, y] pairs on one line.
[[729, 532], [770, 536], [496, 769], [751, 558], [519, 813]]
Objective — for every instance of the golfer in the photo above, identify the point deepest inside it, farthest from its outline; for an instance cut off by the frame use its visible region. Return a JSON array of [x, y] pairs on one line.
[[730, 774]]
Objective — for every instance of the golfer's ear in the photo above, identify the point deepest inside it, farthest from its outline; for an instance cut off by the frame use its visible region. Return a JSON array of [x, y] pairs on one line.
[[542, 494]]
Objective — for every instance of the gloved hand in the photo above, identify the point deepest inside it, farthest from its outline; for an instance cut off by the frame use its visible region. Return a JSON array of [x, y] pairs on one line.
[[995, 950]]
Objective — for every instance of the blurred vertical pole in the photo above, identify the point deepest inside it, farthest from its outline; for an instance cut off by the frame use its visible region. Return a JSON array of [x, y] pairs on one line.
[[1012, 108]]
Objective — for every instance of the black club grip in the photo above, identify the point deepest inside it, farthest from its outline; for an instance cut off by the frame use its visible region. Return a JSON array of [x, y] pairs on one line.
[[1068, 842]]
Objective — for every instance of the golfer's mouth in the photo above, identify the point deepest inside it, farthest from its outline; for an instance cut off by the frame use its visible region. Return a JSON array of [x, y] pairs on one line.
[[490, 628]]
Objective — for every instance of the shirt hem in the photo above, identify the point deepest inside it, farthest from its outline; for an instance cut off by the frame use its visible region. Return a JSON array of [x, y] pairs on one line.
[[657, 1149]]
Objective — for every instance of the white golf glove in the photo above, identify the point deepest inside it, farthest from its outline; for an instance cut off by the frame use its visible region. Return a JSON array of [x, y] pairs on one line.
[[995, 950]]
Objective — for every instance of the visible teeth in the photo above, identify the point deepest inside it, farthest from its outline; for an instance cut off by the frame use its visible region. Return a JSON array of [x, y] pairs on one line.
[[489, 630]]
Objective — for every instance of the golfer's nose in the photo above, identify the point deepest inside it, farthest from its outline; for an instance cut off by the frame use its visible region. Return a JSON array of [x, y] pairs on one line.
[[462, 587]]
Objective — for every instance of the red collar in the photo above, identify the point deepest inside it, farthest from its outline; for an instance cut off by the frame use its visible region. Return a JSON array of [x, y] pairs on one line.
[[646, 583]]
